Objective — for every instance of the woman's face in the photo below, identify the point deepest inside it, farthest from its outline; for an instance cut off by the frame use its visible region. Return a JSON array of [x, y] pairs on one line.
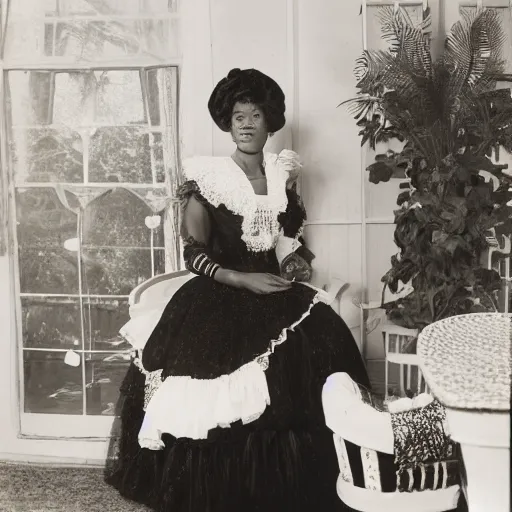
[[248, 128]]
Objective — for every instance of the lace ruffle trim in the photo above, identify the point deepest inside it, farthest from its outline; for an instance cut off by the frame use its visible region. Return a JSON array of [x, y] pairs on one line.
[[186, 407], [221, 181]]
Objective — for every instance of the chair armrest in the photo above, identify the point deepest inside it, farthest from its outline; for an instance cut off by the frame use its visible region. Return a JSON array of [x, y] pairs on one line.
[[336, 288], [136, 293]]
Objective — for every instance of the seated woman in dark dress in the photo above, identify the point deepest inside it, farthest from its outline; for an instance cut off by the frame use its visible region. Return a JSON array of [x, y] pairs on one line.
[[221, 410]]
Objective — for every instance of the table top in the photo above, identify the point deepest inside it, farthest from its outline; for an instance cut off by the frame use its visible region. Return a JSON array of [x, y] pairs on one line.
[[466, 361]]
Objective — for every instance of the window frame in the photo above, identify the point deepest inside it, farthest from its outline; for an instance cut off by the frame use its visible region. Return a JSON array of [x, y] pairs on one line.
[[53, 426]]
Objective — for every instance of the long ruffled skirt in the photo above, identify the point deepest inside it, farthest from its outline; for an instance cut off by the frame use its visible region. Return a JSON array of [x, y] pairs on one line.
[[285, 460]]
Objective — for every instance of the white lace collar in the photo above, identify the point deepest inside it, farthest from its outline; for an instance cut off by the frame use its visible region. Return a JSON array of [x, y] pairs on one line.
[[222, 181]]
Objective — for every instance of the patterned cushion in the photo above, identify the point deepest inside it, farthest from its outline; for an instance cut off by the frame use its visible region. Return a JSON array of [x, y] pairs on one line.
[[419, 457], [377, 471]]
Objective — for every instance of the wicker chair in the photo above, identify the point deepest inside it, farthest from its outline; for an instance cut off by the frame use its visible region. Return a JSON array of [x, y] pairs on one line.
[[364, 443]]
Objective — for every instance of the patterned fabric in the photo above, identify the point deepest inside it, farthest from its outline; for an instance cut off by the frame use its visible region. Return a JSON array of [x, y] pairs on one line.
[[197, 260], [420, 439], [424, 458], [153, 380], [377, 471], [295, 268]]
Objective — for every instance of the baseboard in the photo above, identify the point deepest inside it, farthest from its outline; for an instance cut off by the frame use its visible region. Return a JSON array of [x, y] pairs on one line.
[[43, 460]]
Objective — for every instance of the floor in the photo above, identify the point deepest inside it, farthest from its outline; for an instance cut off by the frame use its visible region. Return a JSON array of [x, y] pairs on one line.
[[26, 488], [29, 488]]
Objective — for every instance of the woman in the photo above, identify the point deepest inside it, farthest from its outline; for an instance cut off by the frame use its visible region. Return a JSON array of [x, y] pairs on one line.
[[222, 412]]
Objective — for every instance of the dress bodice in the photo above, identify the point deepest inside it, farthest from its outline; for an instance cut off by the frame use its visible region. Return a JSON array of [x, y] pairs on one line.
[[245, 226]]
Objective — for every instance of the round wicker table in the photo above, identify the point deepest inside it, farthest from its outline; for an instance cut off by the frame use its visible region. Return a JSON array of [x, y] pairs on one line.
[[466, 361]]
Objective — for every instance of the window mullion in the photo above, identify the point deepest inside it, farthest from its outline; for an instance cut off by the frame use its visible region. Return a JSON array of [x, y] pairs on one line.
[[81, 306], [131, 64]]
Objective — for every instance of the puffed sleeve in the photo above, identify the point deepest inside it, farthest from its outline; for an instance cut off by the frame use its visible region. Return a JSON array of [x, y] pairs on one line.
[[195, 231]]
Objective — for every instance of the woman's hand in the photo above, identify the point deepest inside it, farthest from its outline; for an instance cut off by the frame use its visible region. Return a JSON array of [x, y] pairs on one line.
[[259, 283], [262, 284]]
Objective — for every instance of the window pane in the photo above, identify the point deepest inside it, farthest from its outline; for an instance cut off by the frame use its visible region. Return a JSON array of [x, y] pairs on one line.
[[157, 158], [104, 376], [159, 37], [103, 319], [48, 155], [118, 218], [24, 28], [84, 98], [97, 7], [29, 97], [85, 39], [51, 386], [115, 271], [159, 261], [51, 323], [153, 92], [158, 6], [92, 40], [42, 220], [48, 271], [121, 154], [74, 98], [120, 98]]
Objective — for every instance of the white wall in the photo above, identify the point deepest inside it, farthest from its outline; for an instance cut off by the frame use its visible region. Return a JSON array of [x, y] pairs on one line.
[[330, 40], [245, 36]]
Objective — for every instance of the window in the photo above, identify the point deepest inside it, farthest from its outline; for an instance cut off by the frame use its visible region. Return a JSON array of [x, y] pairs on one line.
[[92, 30], [93, 167]]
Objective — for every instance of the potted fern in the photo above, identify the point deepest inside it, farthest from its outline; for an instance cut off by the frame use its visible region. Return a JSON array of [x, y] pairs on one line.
[[452, 120]]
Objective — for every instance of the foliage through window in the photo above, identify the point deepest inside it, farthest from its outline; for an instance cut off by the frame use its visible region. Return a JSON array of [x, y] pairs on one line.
[[94, 165]]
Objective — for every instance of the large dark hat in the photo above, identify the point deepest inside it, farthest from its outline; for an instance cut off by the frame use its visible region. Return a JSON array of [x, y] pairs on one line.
[[248, 85]]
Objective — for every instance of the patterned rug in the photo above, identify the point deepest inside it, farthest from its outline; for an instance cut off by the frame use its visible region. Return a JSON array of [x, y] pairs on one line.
[[25, 488]]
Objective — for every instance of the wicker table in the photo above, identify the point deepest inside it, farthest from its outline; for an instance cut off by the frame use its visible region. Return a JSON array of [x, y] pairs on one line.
[[466, 362]]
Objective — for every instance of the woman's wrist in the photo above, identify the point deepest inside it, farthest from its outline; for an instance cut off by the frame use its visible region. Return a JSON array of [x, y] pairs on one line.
[[229, 277]]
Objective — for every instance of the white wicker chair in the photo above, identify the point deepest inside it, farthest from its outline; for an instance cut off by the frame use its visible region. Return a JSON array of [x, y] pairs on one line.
[[158, 288], [363, 439], [409, 374], [162, 287], [148, 300]]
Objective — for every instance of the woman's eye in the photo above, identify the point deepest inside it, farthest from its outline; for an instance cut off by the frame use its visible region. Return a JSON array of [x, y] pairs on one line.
[[256, 116]]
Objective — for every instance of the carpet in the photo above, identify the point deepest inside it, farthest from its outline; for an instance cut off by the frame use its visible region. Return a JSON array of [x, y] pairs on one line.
[[26, 488]]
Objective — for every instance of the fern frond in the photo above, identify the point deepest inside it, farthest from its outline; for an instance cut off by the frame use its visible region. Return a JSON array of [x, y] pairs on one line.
[[473, 48], [408, 41]]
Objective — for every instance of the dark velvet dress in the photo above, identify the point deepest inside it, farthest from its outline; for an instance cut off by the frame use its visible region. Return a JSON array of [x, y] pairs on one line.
[[285, 460]]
